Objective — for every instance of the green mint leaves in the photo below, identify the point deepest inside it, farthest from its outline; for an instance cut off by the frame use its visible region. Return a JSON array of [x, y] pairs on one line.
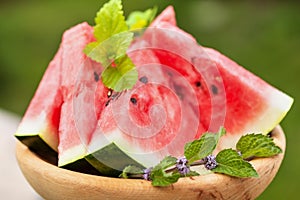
[[203, 147], [257, 145], [231, 163], [139, 20], [113, 37], [107, 51], [162, 179], [113, 40], [122, 76], [199, 152], [110, 20], [159, 174]]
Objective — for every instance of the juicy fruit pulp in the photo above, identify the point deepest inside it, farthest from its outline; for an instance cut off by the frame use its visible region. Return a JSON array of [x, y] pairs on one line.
[[183, 90]]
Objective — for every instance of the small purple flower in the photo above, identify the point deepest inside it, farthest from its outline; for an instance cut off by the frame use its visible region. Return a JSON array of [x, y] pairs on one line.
[[210, 162], [181, 165], [146, 174]]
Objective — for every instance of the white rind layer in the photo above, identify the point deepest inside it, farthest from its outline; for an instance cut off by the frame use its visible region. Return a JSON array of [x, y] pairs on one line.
[[71, 155], [132, 150], [278, 106], [38, 125]]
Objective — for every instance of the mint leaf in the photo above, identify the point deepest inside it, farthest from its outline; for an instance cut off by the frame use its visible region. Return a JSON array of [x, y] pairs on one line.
[[131, 170], [167, 162], [203, 147], [231, 163], [139, 19], [159, 176], [257, 145], [121, 76], [109, 50], [110, 20], [89, 48]]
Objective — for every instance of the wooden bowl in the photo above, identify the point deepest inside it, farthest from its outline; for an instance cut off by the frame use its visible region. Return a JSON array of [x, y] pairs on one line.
[[55, 183]]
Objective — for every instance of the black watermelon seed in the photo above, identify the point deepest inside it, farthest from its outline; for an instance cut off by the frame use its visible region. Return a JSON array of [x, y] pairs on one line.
[[107, 103], [214, 89], [133, 100], [198, 84], [96, 76], [144, 79]]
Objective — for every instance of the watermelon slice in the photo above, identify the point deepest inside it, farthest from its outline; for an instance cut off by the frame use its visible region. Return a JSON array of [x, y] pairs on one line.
[[78, 83], [183, 91], [39, 126], [50, 119], [239, 100]]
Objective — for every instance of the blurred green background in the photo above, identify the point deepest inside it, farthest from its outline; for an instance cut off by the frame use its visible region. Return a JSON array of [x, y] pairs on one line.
[[263, 36]]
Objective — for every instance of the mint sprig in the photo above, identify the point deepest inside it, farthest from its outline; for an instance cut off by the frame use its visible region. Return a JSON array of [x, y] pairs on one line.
[[203, 147], [107, 51], [199, 152], [168, 161], [160, 178], [122, 76], [159, 174], [113, 36], [231, 163], [257, 145], [113, 40], [110, 21]]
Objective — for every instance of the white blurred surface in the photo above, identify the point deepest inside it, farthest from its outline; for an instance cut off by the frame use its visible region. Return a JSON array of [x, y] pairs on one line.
[[13, 185]]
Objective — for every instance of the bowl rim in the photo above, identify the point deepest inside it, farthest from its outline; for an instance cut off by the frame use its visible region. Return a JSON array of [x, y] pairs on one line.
[[43, 177]]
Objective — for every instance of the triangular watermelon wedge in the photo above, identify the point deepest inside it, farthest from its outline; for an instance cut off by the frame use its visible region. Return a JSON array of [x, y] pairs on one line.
[[239, 100], [49, 127], [39, 126], [77, 85]]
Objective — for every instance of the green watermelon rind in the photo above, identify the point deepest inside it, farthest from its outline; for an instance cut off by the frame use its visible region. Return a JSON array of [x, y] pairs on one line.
[[36, 144], [99, 159], [82, 166]]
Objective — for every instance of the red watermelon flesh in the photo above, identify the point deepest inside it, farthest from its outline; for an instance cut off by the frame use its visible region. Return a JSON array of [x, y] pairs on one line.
[[180, 57], [43, 113], [167, 15], [228, 94], [257, 107], [147, 122], [79, 111], [67, 104]]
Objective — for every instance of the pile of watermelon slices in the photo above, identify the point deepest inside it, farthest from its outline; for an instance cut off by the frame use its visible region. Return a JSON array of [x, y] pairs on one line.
[[183, 91]]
